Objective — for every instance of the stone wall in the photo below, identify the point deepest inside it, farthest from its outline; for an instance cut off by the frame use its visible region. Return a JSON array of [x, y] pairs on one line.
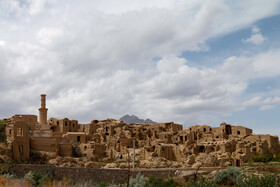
[[88, 174]]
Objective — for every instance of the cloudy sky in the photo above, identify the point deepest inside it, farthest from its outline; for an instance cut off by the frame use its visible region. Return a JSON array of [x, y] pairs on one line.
[[188, 61]]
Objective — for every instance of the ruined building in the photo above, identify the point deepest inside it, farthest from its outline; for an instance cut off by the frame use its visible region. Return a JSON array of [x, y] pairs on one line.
[[108, 140]]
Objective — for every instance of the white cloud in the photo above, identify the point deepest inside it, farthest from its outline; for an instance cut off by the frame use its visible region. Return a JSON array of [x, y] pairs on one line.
[[261, 65], [263, 103], [253, 102], [256, 37], [266, 107], [255, 30], [97, 61], [37, 6], [50, 36]]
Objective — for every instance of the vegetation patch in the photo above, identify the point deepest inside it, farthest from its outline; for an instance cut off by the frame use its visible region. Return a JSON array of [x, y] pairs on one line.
[[230, 176], [233, 177], [262, 158], [141, 181], [36, 178], [3, 137], [138, 181], [76, 151], [265, 158]]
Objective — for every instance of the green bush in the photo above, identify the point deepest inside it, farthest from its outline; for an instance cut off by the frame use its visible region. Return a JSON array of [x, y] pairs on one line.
[[35, 155], [230, 176], [246, 181], [262, 158], [3, 137], [101, 184], [8, 175], [36, 178], [202, 182], [2, 126], [276, 158], [157, 182], [138, 181], [76, 151]]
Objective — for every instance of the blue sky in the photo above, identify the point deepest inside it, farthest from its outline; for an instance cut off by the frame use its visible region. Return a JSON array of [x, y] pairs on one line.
[[231, 44], [221, 47], [187, 61]]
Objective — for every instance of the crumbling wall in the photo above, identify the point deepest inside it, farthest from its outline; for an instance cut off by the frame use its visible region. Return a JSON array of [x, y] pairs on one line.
[[21, 144]]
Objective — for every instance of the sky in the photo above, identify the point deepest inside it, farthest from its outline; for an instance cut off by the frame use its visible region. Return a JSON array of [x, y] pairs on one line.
[[187, 61]]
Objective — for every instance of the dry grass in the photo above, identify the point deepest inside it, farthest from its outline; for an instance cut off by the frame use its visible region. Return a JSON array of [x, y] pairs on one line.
[[270, 169], [4, 182]]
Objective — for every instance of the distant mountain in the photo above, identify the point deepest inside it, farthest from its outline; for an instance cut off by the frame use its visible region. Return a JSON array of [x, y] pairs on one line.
[[134, 119], [149, 121]]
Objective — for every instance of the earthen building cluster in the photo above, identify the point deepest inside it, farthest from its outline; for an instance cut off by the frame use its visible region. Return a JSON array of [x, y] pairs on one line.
[[109, 140]]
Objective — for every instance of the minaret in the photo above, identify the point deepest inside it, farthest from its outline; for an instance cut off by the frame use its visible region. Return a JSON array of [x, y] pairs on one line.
[[43, 110]]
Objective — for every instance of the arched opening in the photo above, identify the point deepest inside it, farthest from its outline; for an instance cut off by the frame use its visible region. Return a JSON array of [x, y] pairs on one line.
[[228, 129], [202, 149]]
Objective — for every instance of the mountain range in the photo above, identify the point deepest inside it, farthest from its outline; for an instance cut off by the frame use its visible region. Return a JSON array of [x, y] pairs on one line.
[[134, 119]]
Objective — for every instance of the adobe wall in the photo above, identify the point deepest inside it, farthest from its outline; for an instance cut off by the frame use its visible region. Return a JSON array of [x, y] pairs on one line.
[[47, 144], [87, 174], [78, 137], [31, 120], [21, 143], [65, 149]]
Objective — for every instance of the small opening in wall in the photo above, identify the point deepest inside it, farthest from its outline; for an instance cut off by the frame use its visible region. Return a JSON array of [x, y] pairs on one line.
[[19, 132], [20, 149], [238, 132], [78, 138], [181, 138], [202, 149]]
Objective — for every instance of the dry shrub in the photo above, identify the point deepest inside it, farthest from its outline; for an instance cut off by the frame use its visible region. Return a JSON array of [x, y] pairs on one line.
[[3, 181], [14, 182]]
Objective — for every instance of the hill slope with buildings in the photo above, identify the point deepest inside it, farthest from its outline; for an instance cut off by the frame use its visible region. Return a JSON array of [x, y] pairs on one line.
[[66, 142]]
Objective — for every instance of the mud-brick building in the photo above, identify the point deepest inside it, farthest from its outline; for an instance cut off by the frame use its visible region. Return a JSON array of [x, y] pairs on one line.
[[103, 140]]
